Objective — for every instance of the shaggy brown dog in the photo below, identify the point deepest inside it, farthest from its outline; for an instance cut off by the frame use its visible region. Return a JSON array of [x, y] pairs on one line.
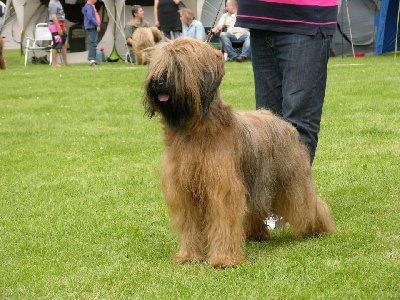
[[3, 64], [224, 172], [144, 38]]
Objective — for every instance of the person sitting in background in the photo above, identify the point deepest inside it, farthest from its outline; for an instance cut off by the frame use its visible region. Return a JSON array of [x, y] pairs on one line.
[[136, 22], [232, 33], [191, 27]]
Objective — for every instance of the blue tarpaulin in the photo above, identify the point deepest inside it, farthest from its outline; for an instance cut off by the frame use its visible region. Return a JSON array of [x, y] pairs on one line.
[[387, 23]]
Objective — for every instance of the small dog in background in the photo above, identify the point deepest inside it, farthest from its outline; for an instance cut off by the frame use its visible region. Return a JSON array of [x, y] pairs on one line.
[[224, 172], [3, 64], [143, 38]]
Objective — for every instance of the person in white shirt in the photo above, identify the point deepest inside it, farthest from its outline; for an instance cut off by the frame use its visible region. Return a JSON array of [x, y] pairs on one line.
[[232, 33]]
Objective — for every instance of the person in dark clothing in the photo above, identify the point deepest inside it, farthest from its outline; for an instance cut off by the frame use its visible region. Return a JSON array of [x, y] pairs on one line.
[[290, 41], [167, 18]]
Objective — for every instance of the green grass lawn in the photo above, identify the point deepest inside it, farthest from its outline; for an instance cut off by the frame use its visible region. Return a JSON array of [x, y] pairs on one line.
[[82, 215]]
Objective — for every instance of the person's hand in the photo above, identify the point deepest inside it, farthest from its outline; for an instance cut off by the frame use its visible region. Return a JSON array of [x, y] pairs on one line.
[[215, 30], [60, 32], [98, 28], [157, 24]]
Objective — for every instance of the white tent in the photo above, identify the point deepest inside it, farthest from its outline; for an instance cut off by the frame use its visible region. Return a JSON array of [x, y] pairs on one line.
[[356, 27], [22, 16]]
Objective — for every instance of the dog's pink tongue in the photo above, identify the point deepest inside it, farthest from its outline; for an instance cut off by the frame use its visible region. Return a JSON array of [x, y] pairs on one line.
[[163, 97]]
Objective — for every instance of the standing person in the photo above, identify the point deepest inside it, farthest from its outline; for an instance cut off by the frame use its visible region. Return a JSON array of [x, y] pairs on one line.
[[58, 31], [91, 22], [136, 22], [191, 27], [166, 14], [290, 43], [233, 33]]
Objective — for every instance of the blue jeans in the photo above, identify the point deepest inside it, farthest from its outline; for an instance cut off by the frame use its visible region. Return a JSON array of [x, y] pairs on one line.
[[176, 34], [290, 72], [92, 34], [226, 39]]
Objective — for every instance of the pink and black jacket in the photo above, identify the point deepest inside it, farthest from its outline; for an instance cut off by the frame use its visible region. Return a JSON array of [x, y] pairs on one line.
[[289, 16]]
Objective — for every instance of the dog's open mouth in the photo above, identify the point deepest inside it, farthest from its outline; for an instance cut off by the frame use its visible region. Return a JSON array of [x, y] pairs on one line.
[[163, 97]]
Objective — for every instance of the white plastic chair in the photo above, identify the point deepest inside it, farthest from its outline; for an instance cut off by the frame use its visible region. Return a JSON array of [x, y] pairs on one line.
[[41, 42]]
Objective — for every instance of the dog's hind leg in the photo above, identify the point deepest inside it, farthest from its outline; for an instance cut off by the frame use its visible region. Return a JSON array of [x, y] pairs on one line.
[[255, 228]]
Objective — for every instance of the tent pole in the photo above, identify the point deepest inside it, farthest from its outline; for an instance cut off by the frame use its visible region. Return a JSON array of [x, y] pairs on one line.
[[351, 35], [397, 31], [342, 27]]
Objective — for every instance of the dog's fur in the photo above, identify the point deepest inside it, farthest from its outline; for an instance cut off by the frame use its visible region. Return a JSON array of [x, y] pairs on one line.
[[3, 64], [143, 38], [224, 172]]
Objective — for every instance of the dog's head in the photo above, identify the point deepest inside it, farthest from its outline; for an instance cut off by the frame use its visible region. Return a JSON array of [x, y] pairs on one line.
[[156, 34], [182, 80]]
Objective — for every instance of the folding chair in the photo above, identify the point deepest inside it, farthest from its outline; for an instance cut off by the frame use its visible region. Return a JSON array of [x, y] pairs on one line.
[[41, 42]]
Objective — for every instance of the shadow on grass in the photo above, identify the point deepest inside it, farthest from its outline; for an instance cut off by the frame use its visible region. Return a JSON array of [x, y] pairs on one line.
[[280, 240]]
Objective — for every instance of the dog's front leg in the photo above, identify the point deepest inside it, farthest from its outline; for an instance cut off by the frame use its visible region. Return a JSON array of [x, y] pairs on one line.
[[191, 239], [187, 220], [225, 224]]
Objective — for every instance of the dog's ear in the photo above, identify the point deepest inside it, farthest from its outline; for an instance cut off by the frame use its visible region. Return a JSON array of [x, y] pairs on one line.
[[213, 82]]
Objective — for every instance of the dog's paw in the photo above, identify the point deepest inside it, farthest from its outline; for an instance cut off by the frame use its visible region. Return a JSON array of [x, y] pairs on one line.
[[222, 262], [185, 257]]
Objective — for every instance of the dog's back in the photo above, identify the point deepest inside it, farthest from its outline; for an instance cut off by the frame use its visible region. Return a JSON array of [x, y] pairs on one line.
[[145, 38]]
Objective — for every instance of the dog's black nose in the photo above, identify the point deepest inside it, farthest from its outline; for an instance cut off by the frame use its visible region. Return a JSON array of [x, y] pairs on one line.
[[158, 82]]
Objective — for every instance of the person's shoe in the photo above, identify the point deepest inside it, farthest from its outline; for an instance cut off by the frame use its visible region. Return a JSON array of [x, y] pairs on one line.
[[93, 64], [240, 58]]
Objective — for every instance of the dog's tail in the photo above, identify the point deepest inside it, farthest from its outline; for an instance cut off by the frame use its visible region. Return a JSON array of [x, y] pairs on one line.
[[323, 222], [311, 216]]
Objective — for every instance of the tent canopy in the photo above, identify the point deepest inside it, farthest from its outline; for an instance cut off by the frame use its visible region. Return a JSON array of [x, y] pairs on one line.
[[368, 26], [355, 27]]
